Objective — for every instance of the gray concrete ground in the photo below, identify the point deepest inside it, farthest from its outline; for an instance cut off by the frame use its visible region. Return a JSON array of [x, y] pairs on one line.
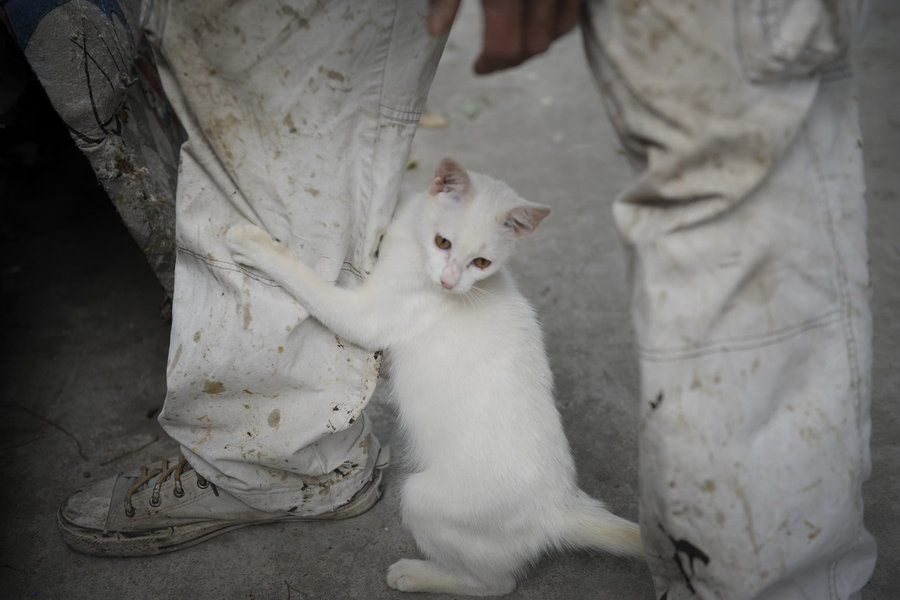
[[85, 348]]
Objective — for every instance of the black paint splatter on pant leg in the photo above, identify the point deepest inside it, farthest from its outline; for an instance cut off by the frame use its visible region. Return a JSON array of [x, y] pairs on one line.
[[691, 553]]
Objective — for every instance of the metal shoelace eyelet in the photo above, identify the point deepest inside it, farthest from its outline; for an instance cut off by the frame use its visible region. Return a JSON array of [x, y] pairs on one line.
[[162, 475]]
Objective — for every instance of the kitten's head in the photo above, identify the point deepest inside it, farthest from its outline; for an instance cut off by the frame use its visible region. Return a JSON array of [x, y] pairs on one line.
[[470, 226]]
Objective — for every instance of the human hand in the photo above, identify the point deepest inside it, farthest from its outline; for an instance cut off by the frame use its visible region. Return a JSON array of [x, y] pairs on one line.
[[514, 30]]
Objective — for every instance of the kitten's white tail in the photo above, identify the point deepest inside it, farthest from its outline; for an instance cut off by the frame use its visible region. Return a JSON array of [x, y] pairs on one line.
[[591, 526]]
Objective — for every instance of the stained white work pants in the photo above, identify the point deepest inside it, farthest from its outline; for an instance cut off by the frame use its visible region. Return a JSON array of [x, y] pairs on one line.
[[745, 233], [299, 116]]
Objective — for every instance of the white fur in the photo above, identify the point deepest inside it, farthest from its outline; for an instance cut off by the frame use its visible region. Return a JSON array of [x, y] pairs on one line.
[[493, 482]]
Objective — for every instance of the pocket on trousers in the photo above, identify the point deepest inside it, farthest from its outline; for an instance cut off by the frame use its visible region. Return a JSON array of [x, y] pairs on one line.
[[785, 39]]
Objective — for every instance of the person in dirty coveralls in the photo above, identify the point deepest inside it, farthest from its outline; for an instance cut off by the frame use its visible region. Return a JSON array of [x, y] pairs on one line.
[[745, 233]]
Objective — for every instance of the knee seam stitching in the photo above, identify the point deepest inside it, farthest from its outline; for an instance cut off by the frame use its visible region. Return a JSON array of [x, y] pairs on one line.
[[741, 343]]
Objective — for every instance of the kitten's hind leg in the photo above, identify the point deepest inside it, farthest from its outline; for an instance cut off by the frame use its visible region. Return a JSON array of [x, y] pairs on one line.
[[408, 575]]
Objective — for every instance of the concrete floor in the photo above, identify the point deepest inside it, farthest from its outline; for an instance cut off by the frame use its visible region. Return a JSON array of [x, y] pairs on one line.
[[85, 348]]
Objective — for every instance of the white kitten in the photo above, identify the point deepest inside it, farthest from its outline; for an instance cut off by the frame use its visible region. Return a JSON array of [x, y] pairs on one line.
[[493, 481]]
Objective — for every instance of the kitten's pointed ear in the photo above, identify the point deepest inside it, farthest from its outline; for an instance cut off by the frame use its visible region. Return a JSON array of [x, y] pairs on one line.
[[451, 178], [524, 218]]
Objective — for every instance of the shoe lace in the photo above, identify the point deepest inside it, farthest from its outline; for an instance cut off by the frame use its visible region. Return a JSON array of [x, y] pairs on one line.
[[162, 474]]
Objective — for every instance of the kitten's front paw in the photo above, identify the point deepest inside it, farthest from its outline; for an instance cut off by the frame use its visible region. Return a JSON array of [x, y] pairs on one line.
[[250, 245]]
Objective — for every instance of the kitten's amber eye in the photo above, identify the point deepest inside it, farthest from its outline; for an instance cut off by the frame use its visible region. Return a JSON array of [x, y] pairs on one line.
[[481, 263], [442, 242]]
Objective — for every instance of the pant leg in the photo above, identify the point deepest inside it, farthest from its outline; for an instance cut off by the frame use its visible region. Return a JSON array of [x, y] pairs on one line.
[[745, 233], [94, 66], [299, 116]]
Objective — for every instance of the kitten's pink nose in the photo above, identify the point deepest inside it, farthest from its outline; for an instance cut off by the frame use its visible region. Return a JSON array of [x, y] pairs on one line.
[[450, 275]]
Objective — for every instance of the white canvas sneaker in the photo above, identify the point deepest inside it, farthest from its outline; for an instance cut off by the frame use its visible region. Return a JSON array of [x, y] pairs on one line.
[[171, 507]]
